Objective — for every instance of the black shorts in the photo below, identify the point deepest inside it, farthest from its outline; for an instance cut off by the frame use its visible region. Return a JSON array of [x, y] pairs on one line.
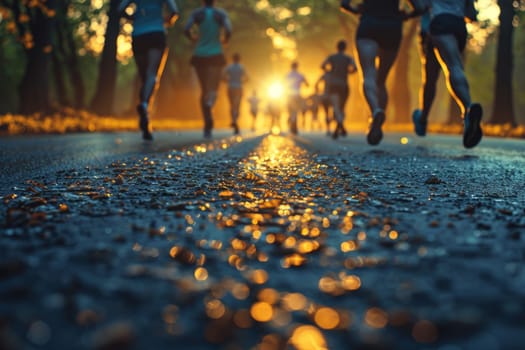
[[450, 24], [208, 61], [144, 42], [387, 32], [342, 91]]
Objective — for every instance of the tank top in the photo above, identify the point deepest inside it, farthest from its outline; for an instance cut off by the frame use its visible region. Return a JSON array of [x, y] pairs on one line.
[[148, 17], [210, 21]]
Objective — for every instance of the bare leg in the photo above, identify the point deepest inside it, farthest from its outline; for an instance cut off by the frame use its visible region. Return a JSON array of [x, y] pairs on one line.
[[386, 61], [447, 52], [336, 105], [367, 52], [430, 75]]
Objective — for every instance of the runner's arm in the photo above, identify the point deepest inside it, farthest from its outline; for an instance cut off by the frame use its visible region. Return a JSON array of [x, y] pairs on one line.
[[471, 13], [174, 13], [418, 8], [187, 27], [227, 27], [346, 6], [325, 65]]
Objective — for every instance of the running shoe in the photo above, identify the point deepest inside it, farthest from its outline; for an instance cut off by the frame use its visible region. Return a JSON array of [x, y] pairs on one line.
[[142, 109], [420, 124], [335, 134], [472, 133], [375, 134], [343, 131], [235, 127]]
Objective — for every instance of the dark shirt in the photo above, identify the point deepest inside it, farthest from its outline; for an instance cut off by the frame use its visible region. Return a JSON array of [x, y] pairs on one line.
[[381, 8], [340, 66]]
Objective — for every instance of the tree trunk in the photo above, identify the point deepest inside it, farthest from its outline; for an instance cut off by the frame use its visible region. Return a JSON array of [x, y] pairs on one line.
[[34, 87], [73, 65], [503, 109], [60, 85], [58, 65], [400, 92], [102, 102]]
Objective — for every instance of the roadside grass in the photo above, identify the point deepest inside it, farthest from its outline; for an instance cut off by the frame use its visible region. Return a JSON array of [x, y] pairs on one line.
[[77, 121]]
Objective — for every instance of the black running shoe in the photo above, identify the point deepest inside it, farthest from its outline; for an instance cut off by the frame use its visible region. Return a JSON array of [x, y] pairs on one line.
[[142, 109], [420, 125], [375, 134], [343, 131], [472, 132], [335, 134]]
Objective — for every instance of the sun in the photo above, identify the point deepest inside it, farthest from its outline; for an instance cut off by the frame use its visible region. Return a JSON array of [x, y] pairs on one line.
[[276, 90]]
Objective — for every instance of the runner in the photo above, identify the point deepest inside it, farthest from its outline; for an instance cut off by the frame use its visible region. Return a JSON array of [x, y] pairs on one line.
[[208, 57], [235, 75], [149, 50], [324, 100], [449, 36], [294, 82], [338, 66], [313, 101], [430, 70], [254, 101], [378, 38], [429, 75]]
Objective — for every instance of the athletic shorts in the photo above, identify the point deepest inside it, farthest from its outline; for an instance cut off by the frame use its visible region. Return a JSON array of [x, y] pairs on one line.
[[450, 24], [387, 32], [340, 90], [203, 61], [144, 42]]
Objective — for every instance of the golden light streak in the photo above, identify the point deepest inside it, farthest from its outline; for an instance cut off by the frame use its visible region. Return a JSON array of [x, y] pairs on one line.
[[308, 338]]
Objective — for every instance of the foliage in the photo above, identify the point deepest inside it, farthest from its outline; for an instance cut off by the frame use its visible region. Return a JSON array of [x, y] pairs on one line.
[[267, 33]]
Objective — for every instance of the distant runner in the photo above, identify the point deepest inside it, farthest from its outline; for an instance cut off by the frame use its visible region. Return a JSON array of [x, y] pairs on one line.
[[208, 57], [378, 38], [149, 50], [338, 66]]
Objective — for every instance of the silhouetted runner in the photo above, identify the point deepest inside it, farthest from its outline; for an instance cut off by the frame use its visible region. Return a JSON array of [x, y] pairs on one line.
[[254, 102], [430, 70], [149, 50], [378, 37], [449, 37], [294, 81], [208, 57], [338, 66], [235, 75], [324, 100]]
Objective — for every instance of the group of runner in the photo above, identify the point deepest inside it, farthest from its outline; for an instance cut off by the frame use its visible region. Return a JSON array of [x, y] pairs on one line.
[[378, 38]]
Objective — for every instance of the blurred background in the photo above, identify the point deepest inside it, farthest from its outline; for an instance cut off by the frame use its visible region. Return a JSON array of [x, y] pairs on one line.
[[73, 57]]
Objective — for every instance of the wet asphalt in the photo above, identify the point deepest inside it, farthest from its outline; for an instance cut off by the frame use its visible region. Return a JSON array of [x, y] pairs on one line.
[[261, 242]]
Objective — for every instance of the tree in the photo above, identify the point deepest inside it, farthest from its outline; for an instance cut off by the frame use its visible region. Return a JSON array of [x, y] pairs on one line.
[[103, 100], [503, 109], [65, 60], [34, 23]]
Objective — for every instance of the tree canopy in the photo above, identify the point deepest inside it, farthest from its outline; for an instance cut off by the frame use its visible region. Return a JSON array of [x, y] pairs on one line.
[[55, 51]]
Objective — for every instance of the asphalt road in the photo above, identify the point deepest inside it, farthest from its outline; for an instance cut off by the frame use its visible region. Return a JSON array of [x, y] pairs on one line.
[[37, 156], [265, 241]]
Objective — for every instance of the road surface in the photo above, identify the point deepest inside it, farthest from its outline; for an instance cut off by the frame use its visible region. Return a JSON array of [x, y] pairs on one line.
[[266, 241]]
